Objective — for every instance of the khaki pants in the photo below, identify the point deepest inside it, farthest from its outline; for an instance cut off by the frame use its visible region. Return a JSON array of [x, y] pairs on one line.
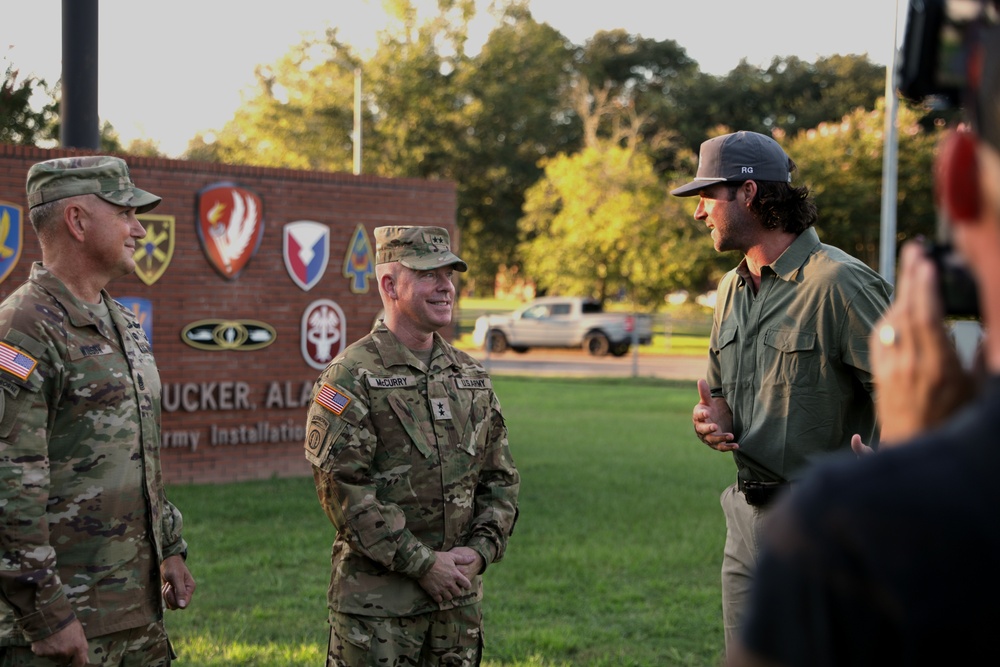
[[743, 532], [450, 638]]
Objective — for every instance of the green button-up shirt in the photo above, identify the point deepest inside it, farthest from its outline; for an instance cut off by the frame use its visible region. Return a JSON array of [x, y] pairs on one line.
[[792, 359]]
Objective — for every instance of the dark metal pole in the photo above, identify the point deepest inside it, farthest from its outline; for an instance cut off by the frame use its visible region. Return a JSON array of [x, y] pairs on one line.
[[80, 127]]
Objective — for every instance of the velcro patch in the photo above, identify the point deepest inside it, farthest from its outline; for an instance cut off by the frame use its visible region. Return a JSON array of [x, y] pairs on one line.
[[95, 350], [332, 400], [9, 387], [441, 409], [16, 362], [473, 383], [392, 382]]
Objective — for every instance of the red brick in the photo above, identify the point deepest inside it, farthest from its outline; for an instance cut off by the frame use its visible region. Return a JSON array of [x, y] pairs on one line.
[[191, 290]]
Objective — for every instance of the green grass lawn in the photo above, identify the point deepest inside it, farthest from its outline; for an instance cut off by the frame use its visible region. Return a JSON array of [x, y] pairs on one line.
[[614, 560]]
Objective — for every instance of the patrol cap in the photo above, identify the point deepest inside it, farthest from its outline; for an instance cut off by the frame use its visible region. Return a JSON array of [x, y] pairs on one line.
[[106, 177], [738, 157], [418, 248]]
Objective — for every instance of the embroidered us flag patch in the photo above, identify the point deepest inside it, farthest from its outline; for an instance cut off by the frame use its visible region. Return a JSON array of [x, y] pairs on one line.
[[14, 361], [332, 400]]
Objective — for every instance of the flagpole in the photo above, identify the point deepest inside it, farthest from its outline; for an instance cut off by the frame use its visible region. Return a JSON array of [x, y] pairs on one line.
[[890, 164]]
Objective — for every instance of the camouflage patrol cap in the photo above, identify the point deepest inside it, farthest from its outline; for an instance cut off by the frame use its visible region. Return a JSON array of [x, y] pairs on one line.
[[418, 248], [106, 177]]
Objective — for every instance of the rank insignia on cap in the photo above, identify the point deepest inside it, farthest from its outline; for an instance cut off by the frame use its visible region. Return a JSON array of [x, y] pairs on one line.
[[16, 362], [332, 400]]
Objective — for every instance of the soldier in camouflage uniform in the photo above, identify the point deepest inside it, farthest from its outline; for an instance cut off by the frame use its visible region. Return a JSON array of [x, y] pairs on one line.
[[411, 463], [87, 537]]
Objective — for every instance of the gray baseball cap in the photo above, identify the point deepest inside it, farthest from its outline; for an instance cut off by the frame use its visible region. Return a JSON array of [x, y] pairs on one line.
[[104, 176], [738, 157], [418, 248]]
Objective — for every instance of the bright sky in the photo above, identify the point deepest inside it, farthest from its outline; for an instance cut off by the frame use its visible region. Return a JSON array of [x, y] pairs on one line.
[[172, 68]]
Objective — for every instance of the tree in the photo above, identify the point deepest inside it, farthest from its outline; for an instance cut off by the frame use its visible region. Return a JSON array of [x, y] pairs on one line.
[[654, 78], [417, 107], [490, 122], [790, 95], [144, 147], [515, 116], [301, 116], [842, 164], [20, 124], [599, 223]]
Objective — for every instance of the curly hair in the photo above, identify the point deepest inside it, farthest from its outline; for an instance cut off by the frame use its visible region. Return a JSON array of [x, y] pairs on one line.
[[779, 205]]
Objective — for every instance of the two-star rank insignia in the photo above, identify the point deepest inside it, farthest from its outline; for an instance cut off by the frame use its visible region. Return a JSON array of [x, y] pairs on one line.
[[441, 408]]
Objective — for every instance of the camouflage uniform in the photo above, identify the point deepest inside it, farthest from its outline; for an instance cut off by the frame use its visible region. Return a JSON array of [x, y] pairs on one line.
[[408, 459], [84, 523]]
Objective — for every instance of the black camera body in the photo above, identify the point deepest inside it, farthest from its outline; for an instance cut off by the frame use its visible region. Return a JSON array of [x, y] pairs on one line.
[[956, 285], [932, 59], [933, 69]]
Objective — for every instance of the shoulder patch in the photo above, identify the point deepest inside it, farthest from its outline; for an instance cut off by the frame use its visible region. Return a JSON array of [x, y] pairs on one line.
[[332, 400], [473, 383], [15, 362], [392, 381]]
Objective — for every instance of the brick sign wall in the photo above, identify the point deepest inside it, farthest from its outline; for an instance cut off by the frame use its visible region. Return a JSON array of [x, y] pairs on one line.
[[234, 404]]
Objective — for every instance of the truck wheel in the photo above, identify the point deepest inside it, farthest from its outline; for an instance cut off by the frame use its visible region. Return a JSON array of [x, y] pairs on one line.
[[496, 342], [520, 349], [619, 349], [597, 344]]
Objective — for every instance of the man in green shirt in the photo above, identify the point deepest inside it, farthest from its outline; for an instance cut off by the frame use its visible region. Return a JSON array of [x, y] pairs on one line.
[[789, 378]]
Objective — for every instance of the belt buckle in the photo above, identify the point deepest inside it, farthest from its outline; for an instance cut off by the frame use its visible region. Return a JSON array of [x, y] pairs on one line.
[[760, 494]]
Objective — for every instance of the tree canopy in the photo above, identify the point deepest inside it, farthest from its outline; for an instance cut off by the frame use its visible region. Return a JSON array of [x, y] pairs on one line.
[[600, 223], [20, 123], [543, 137], [842, 165]]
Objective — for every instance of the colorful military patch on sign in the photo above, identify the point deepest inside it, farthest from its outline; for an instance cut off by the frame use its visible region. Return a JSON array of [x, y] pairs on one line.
[[11, 235], [359, 263], [323, 332], [16, 362], [230, 226], [306, 250], [332, 400], [155, 250], [241, 335]]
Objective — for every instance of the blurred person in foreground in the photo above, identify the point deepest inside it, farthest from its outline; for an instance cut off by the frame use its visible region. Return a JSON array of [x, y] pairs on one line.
[[886, 560], [88, 540], [789, 377], [411, 462]]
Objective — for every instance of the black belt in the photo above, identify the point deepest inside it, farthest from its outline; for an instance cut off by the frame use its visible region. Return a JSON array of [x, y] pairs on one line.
[[760, 494]]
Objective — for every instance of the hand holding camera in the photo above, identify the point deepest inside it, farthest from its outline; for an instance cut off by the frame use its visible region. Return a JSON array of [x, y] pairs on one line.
[[921, 381]]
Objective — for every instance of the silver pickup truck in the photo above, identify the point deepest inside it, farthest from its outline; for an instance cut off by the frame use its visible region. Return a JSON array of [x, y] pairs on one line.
[[563, 322]]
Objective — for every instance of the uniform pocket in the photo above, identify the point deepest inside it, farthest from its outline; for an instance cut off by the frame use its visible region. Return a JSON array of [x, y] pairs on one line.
[[477, 428], [409, 421], [728, 353], [790, 360]]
